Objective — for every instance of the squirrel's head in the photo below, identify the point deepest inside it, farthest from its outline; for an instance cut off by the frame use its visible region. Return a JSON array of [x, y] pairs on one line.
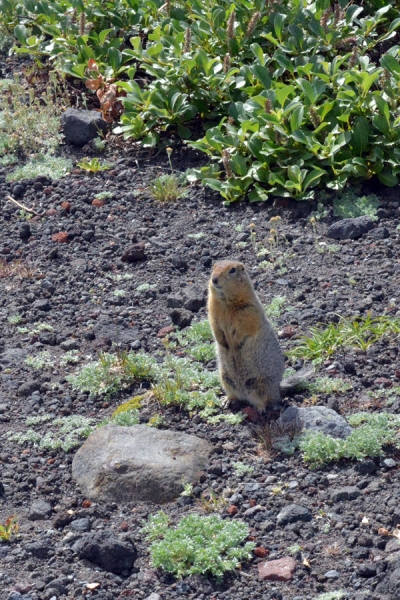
[[226, 277]]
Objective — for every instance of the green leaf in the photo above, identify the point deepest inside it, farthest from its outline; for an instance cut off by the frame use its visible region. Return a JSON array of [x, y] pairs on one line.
[[262, 74], [360, 135], [383, 107], [388, 178], [313, 178], [103, 34], [258, 53], [283, 93], [114, 58], [184, 132], [296, 118], [391, 64], [278, 24], [20, 33], [381, 123], [239, 165]]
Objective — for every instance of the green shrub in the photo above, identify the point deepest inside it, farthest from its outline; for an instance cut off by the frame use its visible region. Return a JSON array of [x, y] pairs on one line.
[[198, 545]]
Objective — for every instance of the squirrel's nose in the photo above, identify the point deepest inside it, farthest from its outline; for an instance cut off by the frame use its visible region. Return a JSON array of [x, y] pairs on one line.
[[215, 280]]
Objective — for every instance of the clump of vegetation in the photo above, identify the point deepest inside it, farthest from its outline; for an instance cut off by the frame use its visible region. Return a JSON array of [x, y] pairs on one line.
[[92, 165], [327, 385], [29, 124], [356, 333], [338, 595], [168, 187], [197, 341], [40, 361], [9, 529], [47, 165], [113, 373], [66, 434], [197, 545], [274, 309], [242, 469], [347, 204], [372, 432]]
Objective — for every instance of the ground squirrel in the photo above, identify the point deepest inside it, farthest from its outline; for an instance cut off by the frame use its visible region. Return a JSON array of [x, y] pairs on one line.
[[250, 360]]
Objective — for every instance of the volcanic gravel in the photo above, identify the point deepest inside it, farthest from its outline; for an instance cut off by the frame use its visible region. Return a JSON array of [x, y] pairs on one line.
[[72, 258]]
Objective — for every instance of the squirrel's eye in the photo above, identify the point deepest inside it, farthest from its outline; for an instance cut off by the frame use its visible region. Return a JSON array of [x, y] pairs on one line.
[[233, 270]]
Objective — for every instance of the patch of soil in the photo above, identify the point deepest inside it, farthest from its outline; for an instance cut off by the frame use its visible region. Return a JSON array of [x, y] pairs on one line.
[[68, 281]]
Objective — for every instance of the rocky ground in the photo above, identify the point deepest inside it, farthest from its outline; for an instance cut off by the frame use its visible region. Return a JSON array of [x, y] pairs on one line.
[[63, 267]]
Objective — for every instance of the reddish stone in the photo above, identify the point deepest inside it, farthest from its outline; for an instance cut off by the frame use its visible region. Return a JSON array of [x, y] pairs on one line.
[[251, 414], [124, 526], [51, 212], [261, 552], [165, 331], [134, 253], [61, 237], [286, 333], [253, 502], [387, 383], [98, 203], [66, 206], [397, 373], [86, 504], [48, 190], [232, 510], [277, 570]]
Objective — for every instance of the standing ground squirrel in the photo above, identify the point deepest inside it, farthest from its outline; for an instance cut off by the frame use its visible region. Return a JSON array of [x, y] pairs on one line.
[[250, 359]]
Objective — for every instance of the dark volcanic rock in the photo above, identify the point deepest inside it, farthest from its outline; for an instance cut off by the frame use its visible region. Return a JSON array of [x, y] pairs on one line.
[[105, 549], [81, 126], [350, 228]]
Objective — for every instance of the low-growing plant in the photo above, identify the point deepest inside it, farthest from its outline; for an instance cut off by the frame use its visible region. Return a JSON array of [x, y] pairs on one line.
[[337, 595], [168, 187], [67, 433], [43, 360], [356, 333], [199, 545], [346, 204], [53, 167], [156, 421], [92, 165], [18, 268], [113, 373], [14, 319], [209, 501], [327, 385], [28, 123], [103, 195], [71, 357], [9, 529], [197, 341], [372, 432], [274, 309], [242, 469]]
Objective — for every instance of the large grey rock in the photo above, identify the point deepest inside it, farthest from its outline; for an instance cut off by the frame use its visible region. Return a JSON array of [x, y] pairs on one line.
[[138, 463], [107, 550], [81, 126], [317, 418], [350, 229]]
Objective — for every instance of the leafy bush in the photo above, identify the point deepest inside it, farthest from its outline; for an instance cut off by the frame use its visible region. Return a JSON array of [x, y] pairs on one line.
[[292, 95], [373, 431], [197, 545]]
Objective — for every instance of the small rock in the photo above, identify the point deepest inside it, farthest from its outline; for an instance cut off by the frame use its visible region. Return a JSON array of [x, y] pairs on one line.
[[40, 510], [174, 301], [25, 231], [390, 463], [81, 126], [70, 344], [195, 299], [134, 253], [317, 418], [80, 525], [105, 549], [332, 574], [61, 520], [179, 263], [282, 569], [292, 514], [345, 493], [62, 237], [165, 331], [380, 233], [27, 389], [366, 570], [181, 317], [350, 228], [153, 596], [42, 305], [40, 549], [365, 467]]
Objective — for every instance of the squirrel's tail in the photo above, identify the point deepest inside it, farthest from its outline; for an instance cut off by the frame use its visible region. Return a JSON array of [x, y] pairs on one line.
[[296, 380]]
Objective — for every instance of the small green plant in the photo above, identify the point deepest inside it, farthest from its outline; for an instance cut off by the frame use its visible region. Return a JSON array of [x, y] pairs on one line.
[[47, 165], [113, 373], [168, 188], [372, 432], [198, 545], [14, 319], [143, 287], [347, 204], [242, 469], [338, 595], [9, 529], [92, 165], [67, 433], [71, 357], [357, 333], [119, 293], [197, 341], [294, 549], [275, 308], [103, 195], [156, 421], [41, 361], [327, 385], [187, 490], [196, 236], [28, 123]]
